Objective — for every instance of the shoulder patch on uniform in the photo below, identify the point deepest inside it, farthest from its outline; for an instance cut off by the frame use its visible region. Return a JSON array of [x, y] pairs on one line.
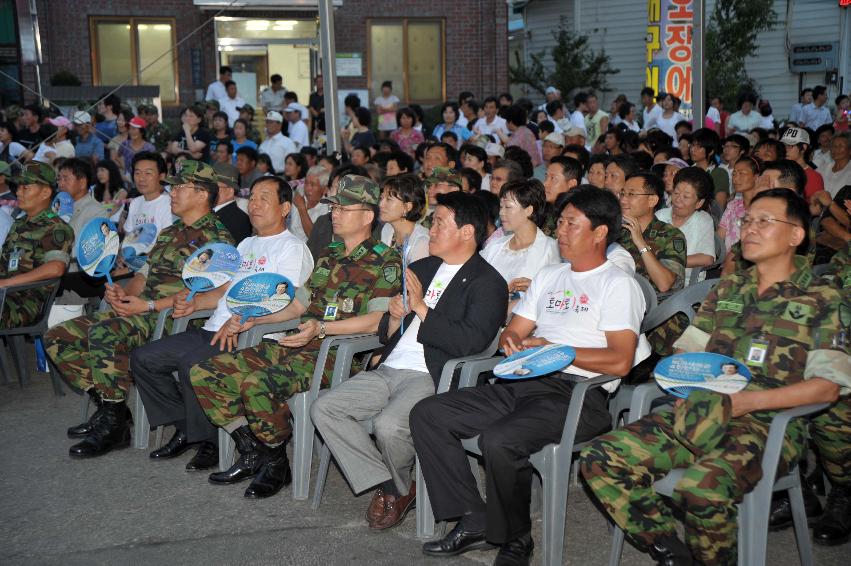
[[391, 273], [797, 312], [679, 245], [380, 248], [59, 236]]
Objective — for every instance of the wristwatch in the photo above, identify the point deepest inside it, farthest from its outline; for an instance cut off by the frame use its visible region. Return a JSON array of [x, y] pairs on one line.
[[644, 250], [151, 306], [321, 329]]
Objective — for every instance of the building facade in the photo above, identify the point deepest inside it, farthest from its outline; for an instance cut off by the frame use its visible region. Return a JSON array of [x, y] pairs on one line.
[[430, 51]]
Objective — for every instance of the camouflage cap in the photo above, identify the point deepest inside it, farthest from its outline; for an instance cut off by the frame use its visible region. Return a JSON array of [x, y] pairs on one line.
[[13, 111], [246, 108], [5, 168], [227, 174], [355, 189], [193, 172], [212, 104], [36, 173], [444, 175]]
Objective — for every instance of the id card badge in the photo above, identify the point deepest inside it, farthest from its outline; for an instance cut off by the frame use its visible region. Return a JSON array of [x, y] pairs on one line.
[[757, 352], [14, 259], [330, 312]]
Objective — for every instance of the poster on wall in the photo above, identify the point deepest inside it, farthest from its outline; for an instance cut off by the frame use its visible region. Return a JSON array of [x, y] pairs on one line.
[[669, 49]]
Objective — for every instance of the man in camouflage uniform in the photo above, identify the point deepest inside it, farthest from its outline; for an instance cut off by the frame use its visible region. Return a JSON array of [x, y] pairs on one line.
[[246, 392], [441, 181], [92, 353], [37, 248], [156, 132], [779, 319]]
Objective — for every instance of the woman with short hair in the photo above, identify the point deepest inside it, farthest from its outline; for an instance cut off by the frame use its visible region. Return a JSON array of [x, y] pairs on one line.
[[400, 209]]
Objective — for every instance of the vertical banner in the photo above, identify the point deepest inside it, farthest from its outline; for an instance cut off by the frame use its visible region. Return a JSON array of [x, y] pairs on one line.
[[669, 49]]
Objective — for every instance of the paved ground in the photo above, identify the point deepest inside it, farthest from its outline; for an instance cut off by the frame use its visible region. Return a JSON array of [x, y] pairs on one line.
[[124, 509]]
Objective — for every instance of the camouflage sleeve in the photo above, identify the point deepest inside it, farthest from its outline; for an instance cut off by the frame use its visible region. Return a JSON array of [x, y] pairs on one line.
[[318, 279], [672, 254], [57, 244], [388, 283], [696, 336], [829, 356]]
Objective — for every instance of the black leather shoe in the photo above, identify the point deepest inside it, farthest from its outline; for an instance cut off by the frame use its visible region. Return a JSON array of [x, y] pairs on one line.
[[670, 551], [250, 459], [273, 475], [111, 431], [458, 541], [173, 448], [82, 430], [834, 527], [515, 553], [205, 458], [780, 516]]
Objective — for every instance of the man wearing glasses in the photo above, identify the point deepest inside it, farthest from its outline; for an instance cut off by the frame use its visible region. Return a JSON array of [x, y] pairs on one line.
[[246, 392], [92, 353], [780, 320]]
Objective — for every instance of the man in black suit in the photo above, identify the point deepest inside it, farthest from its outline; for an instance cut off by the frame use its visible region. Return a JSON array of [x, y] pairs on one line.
[[226, 209], [455, 305]]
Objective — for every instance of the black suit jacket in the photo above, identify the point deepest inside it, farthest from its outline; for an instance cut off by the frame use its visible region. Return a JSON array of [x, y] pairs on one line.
[[236, 221], [465, 320]]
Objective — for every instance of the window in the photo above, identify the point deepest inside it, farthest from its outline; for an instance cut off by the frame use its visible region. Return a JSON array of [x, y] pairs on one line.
[[409, 53], [123, 48]]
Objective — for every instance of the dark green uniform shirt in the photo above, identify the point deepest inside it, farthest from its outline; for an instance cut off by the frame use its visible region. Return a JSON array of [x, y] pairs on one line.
[[668, 244]]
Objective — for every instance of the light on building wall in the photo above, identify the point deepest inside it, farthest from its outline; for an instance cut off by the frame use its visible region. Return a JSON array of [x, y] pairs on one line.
[[162, 27], [257, 25]]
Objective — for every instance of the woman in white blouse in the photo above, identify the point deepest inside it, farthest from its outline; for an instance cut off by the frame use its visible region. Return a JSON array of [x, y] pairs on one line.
[[519, 256], [693, 190], [401, 207]]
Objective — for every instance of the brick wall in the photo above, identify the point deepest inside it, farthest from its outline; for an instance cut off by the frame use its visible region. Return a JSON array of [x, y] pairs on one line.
[[476, 36]]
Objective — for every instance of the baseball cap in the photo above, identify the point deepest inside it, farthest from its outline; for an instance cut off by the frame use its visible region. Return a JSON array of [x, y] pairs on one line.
[[293, 107], [81, 117], [494, 149], [212, 104], [556, 138], [676, 162], [551, 90], [60, 122], [794, 136], [444, 175], [227, 174], [194, 172], [355, 189], [137, 122], [575, 131], [36, 173], [274, 116], [246, 108]]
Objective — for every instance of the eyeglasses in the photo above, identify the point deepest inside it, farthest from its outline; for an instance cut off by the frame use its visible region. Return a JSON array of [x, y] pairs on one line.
[[762, 223], [182, 186], [339, 209], [633, 195]]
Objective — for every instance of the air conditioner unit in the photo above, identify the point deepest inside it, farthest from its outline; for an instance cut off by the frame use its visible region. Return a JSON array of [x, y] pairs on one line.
[[813, 57]]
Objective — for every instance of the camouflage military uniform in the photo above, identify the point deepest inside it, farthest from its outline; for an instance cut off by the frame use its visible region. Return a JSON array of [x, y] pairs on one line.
[[796, 321], [95, 350], [255, 383], [668, 244], [31, 243], [550, 221], [159, 135]]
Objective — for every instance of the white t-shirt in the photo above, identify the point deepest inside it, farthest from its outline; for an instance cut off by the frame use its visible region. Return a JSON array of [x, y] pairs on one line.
[[527, 262], [298, 134], [157, 212], [699, 231], [386, 120], [216, 90], [408, 353], [229, 106], [668, 125], [15, 149], [577, 119], [833, 181], [578, 308], [650, 116], [282, 253], [481, 127], [278, 147], [417, 241]]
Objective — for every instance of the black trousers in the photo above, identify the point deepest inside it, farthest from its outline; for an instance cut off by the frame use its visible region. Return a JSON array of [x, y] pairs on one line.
[[513, 420], [166, 400]]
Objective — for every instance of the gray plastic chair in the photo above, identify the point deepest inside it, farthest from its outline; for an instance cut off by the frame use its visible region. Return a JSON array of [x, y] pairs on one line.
[[756, 506], [650, 299], [17, 336], [720, 252], [425, 518]]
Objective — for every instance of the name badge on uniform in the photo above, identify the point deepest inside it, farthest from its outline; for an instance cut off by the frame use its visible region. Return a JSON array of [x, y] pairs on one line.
[[15, 259], [330, 311], [757, 352]]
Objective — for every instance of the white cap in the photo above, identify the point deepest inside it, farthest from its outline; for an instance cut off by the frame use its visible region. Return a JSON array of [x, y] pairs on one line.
[[575, 131], [794, 136], [81, 117], [551, 90], [274, 116], [556, 138], [293, 107], [495, 150]]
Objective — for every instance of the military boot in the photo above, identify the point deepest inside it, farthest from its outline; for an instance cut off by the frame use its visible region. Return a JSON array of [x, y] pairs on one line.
[[111, 430], [670, 551], [834, 527], [250, 460], [82, 430], [274, 474], [780, 516]]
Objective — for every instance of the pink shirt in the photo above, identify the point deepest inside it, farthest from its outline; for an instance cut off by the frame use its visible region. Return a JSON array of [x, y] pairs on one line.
[[730, 221], [408, 144], [525, 139]]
